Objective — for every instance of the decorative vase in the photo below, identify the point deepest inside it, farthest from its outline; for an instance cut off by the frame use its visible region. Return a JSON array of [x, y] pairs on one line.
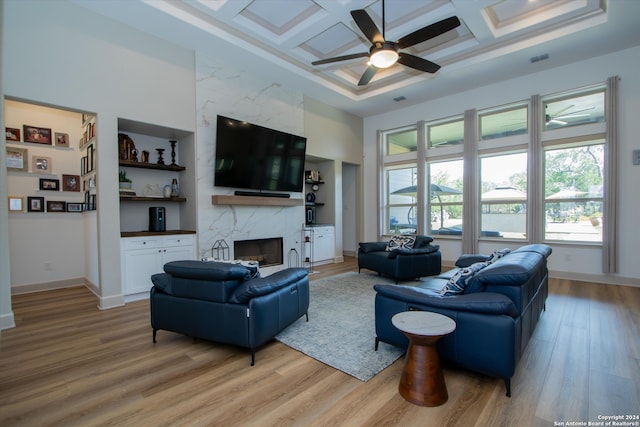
[[160, 153], [174, 188], [125, 185]]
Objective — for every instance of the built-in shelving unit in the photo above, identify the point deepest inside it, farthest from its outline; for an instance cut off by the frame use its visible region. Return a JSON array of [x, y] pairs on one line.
[[140, 157]]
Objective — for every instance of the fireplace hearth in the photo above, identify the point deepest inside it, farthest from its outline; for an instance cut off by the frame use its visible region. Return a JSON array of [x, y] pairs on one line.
[[267, 252]]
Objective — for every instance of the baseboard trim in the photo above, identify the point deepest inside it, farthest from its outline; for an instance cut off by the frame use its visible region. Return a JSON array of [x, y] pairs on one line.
[[595, 278], [7, 321], [47, 286]]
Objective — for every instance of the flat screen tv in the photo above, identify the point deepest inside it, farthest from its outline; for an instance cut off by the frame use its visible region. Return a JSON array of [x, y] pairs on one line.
[[257, 158]]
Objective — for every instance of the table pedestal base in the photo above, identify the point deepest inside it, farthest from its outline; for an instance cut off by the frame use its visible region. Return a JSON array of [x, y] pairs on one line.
[[422, 381]]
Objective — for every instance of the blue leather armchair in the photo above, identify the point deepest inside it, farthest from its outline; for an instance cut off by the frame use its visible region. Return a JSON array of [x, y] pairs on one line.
[[424, 259], [220, 302]]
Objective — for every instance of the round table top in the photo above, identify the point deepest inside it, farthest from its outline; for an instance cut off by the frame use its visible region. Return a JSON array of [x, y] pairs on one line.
[[423, 323]]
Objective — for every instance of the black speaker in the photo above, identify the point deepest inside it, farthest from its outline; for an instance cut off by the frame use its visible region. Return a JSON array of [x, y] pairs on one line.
[[157, 221]]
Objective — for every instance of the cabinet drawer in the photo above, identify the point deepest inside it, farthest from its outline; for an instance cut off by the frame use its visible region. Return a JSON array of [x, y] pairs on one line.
[[177, 240], [323, 230], [141, 243]]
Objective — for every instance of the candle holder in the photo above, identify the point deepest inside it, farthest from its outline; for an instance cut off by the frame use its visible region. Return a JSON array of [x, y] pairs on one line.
[[160, 153], [173, 152]]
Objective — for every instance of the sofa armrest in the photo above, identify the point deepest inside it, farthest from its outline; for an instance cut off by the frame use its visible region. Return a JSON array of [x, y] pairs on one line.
[[481, 302], [465, 260], [366, 247], [266, 285]]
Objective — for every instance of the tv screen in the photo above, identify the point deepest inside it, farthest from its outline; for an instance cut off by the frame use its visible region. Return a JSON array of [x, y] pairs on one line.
[[253, 157]]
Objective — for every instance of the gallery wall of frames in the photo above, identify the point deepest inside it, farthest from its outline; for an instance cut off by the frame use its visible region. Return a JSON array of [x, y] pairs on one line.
[[50, 162]]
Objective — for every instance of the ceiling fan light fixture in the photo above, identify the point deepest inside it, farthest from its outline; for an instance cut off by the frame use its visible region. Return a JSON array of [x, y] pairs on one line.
[[383, 57]]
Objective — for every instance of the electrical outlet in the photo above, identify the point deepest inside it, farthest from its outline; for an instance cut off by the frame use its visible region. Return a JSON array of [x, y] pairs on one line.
[[636, 157]]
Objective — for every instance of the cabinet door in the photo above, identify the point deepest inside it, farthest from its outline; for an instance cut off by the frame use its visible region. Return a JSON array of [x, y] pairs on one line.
[[177, 253], [323, 246], [138, 267]]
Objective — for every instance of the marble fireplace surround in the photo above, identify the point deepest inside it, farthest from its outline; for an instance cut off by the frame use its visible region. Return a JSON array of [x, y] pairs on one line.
[[226, 90]]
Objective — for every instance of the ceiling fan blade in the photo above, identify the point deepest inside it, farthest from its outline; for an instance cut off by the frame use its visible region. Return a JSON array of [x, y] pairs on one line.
[[367, 26], [368, 75], [341, 58], [417, 63], [428, 32]]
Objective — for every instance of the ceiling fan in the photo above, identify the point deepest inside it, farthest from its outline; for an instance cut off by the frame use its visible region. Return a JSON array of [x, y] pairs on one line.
[[385, 53]]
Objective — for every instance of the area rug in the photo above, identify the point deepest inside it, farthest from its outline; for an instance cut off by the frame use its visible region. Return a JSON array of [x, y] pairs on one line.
[[341, 329]]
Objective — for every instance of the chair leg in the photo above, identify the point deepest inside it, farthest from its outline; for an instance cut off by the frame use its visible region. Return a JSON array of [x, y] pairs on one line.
[[307, 314], [507, 383], [253, 357], [377, 342], [154, 335]]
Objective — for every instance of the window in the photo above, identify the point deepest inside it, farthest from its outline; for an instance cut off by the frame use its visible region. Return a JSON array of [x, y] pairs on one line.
[[574, 111], [573, 192], [403, 141], [445, 197], [401, 211], [445, 134], [504, 196], [504, 123]]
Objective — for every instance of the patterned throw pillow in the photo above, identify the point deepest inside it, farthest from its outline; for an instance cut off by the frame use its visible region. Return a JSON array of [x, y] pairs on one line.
[[459, 281], [497, 255], [400, 241]]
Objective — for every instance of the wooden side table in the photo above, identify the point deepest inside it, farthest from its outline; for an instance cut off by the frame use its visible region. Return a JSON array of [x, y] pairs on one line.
[[422, 380]]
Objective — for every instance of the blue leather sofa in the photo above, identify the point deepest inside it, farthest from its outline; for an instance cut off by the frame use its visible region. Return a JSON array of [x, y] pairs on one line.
[[221, 302], [423, 259], [495, 314]]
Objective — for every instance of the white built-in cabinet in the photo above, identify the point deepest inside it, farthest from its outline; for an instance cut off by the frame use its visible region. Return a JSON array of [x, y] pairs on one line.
[[319, 244], [144, 256]]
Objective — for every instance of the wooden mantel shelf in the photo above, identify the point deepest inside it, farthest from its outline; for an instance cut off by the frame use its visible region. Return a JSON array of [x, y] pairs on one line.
[[254, 201]]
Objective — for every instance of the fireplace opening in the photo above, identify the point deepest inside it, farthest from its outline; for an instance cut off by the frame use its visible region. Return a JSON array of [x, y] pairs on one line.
[[267, 252]]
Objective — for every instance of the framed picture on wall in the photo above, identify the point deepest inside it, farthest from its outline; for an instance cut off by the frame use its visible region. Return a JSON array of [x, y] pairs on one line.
[[37, 135], [74, 207], [13, 134], [56, 206], [17, 159], [41, 164], [35, 204], [16, 204], [49, 184], [70, 182], [62, 139]]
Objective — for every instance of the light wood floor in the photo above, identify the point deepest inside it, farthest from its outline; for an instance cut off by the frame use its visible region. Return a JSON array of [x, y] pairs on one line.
[[67, 363]]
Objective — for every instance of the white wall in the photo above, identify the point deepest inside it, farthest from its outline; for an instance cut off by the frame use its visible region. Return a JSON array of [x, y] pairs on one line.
[[566, 261]]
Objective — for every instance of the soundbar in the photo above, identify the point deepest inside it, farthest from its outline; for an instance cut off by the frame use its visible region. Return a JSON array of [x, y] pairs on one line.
[[261, 194]]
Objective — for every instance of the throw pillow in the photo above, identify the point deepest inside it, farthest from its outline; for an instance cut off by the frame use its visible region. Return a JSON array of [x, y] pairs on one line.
[[459, 281], [400, 241], [497, 255]]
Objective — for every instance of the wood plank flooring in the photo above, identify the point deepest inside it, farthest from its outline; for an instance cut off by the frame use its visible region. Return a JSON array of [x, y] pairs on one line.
[[69, 364]]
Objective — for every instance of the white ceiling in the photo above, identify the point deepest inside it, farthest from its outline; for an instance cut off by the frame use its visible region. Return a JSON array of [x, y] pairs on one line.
[[279, 39]]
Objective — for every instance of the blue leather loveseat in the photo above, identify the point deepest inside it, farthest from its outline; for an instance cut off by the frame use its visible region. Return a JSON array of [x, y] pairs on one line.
[[221, 302], [495, 300]]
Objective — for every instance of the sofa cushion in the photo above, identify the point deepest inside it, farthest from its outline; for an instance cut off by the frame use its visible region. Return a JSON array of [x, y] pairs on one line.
[[400, 241], [266, 285], [206, 270], [459, 281], [422, 241], [429, 249]]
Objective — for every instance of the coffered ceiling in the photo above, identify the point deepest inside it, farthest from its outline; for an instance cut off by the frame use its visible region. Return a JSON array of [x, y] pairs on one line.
[[279, 39]]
